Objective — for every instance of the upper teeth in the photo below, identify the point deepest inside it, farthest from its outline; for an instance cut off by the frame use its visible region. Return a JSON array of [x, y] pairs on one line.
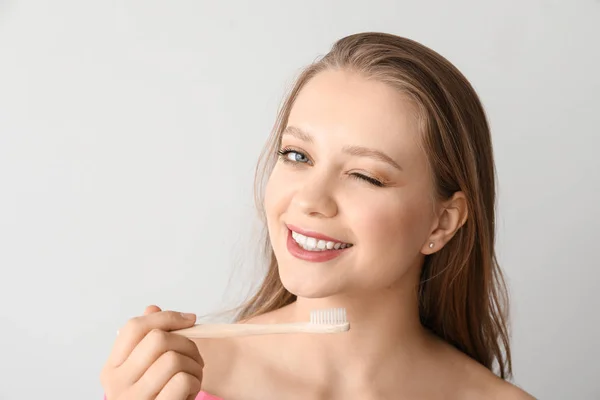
[[312, 244]]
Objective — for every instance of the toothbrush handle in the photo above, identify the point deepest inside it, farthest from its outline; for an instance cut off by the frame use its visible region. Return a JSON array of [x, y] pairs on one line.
[[230, 330]]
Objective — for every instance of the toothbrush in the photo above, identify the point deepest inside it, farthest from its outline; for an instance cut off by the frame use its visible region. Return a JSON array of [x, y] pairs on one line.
[[331, 320]]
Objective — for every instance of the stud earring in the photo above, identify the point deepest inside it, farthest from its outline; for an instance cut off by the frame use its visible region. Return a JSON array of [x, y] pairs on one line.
[[431, 245]]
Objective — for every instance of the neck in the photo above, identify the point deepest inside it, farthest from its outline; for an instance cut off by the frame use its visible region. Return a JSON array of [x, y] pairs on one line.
[[385, 331]]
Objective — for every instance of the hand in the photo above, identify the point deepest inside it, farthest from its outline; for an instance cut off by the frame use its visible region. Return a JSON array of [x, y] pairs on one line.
[[149, 363]]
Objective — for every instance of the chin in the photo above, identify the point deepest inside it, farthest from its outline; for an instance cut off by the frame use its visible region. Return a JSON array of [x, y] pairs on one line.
[[308, 285]]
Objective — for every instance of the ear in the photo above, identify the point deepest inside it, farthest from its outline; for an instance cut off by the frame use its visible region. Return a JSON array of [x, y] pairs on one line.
[[452, 215]]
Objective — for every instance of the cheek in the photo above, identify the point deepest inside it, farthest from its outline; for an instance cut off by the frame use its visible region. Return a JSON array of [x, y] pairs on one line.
[[396, 225], [275, 195]]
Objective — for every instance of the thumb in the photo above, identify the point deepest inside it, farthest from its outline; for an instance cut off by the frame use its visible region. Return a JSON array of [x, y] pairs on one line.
[[151, 310]]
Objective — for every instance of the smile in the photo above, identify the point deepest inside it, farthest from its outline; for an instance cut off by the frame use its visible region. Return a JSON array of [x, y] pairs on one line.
[[313, 249], [313, 244]]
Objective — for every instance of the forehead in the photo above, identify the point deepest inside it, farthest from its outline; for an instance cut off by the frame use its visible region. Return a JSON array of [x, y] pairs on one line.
[[342, 103]]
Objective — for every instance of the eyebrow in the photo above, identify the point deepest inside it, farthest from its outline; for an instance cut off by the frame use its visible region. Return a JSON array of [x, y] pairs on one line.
[[358, 151], [297, 133]]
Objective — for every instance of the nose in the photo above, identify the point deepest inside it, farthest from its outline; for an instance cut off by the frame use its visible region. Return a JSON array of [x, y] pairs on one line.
[[315, 198]]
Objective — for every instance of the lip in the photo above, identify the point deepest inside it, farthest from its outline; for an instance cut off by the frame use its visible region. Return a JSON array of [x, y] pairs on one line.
[[312, 256], [315, 235]]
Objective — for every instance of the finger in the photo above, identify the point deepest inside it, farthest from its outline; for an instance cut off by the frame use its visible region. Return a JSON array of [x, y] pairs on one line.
[[152, 309], [181, 387], [167, 367], [137, 328], [152, 347]]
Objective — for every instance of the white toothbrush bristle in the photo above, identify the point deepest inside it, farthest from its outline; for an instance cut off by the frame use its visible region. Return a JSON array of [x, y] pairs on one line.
[[330, 316]]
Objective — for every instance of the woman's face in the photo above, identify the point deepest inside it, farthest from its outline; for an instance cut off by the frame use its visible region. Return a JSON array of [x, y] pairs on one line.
[[351, 170]]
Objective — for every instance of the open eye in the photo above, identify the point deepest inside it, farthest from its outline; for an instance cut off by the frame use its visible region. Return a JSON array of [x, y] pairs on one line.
[[292, 156]]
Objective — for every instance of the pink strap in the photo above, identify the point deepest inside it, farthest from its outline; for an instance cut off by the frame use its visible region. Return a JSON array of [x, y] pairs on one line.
[[206, 396]]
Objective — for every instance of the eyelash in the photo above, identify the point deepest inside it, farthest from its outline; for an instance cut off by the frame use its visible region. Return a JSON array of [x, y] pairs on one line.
[[287, 150]]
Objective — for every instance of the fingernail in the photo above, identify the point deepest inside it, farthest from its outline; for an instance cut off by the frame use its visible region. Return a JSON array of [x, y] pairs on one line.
[[188, 316]]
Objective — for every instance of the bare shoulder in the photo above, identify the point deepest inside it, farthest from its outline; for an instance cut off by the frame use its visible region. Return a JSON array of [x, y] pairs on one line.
[[476, 382], [483, 384], [506, 390]]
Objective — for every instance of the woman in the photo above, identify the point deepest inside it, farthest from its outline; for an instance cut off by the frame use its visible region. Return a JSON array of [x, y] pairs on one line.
[[380, 198]]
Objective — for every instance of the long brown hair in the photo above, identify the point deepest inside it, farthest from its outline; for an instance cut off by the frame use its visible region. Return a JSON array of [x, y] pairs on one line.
[[462, 293]]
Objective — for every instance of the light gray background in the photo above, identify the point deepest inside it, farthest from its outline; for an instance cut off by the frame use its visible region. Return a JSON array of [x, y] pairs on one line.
[[129, 133]]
